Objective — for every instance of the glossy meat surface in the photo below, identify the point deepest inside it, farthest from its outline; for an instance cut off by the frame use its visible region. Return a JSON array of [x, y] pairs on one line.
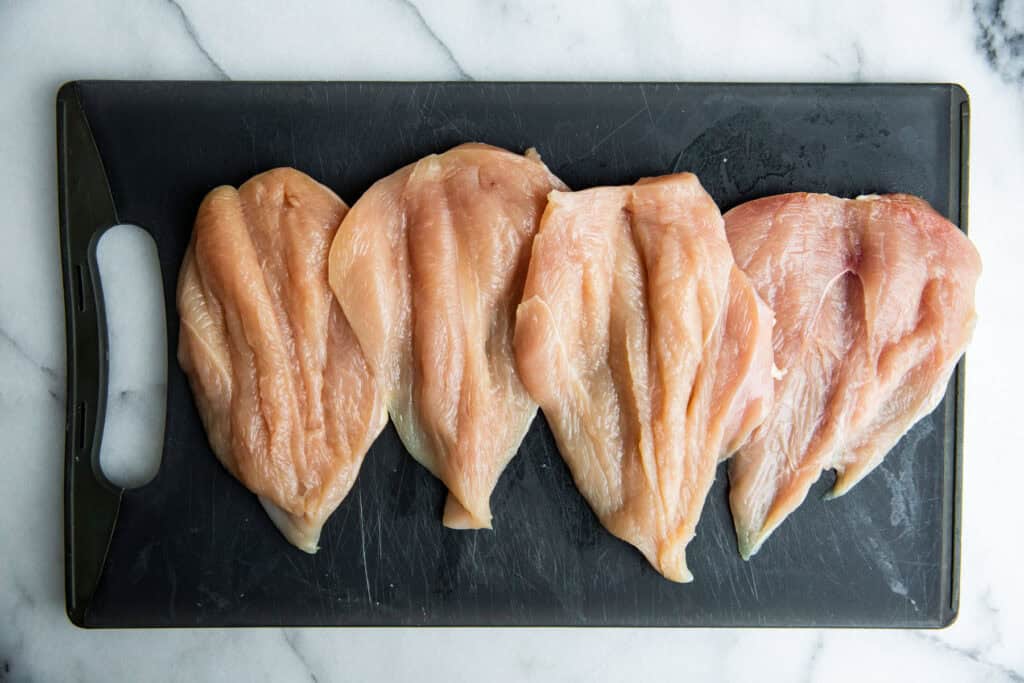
[[289, 403], [648, 351], [429, 266], [874, 305]]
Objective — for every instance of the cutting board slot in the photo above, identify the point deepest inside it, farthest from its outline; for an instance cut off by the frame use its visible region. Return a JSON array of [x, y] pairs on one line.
[[80, 288], [80, 425], [133, 301]]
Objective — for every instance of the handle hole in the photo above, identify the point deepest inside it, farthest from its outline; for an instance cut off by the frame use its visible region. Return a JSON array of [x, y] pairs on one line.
[[133, 300]]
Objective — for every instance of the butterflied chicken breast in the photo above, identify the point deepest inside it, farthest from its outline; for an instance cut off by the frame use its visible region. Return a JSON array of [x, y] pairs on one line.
[[648, 351], [289, 403], [429, 266], [874, 305]]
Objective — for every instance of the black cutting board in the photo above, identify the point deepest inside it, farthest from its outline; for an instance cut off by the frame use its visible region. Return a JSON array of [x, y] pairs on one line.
[[194, 548]]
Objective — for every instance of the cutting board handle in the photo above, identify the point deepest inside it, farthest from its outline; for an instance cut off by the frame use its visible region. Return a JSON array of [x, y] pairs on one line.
[[86, 209]]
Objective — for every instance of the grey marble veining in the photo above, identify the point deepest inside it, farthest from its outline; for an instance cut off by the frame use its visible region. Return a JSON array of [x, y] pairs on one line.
[[190, 29], [1000, 27], [978, 44]]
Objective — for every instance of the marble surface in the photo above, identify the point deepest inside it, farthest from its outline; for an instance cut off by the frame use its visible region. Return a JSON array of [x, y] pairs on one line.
[[979, 44]]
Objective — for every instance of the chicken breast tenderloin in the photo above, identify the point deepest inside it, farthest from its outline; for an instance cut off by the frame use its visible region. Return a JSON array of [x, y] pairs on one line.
[[874, 305], [648, 351], [429, 267]]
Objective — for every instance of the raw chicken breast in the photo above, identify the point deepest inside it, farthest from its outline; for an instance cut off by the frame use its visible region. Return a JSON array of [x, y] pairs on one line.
[[288, 401], [874, 304], [648, 351], [429, 266]]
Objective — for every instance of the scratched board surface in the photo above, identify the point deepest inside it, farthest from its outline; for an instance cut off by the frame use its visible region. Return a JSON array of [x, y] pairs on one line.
[[194, 548]]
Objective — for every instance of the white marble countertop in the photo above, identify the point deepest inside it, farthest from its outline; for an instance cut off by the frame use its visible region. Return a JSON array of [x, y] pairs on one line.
[[978, 44]]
